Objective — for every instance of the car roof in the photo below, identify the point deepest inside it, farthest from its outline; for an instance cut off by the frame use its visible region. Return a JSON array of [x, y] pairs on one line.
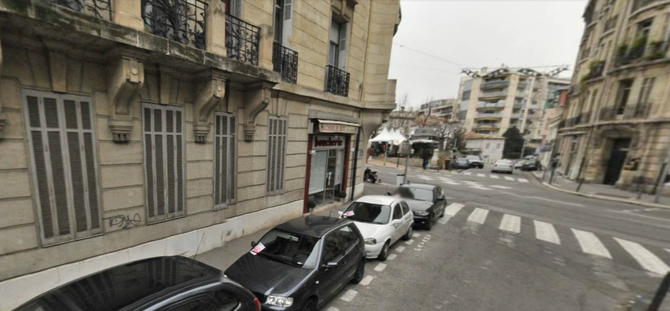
[[133, 284], [420, 186], [377, 199], [313, 225]]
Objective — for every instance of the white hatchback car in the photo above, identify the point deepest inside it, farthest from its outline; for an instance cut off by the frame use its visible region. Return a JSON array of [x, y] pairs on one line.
[[382, 220], [506, 166]]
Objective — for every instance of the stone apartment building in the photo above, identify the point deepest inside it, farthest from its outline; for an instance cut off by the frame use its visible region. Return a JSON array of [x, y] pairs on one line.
[[490, 102], [443, 108], [616, 127], [133, 129]]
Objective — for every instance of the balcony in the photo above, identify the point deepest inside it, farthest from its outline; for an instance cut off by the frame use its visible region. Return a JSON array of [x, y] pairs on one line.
[[522, 85], [285, 61], [585, 118], [629, 112], [516, 116], [99, 8], [337, 81], [640, 51], [179, 20], [482, 126], [491, 105], [494, 84], [242, 40], [489, 116], [596, 70], [493, 95]]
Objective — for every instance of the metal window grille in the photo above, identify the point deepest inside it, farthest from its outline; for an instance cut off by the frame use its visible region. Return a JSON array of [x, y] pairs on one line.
[[285, 61], [179, 20], [242, 40], [164, 161], [99, 8], [225, 162], [337, 81], [61, 135], [277, 132]]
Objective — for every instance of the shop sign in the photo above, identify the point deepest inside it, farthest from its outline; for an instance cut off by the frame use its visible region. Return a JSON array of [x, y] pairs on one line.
[[337, 128], [323, 142]]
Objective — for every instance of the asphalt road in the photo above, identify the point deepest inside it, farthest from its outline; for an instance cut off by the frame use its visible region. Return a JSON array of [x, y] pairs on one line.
[[512, 244]]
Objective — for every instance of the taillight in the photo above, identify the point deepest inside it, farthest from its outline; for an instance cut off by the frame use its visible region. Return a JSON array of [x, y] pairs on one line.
[[257, 304]]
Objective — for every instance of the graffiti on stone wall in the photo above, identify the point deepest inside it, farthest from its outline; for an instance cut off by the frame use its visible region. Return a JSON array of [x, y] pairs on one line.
[[125, 221]]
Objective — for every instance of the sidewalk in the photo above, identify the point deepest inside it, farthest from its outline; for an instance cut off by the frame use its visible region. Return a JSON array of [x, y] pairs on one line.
[[224, 256], [599, 191]]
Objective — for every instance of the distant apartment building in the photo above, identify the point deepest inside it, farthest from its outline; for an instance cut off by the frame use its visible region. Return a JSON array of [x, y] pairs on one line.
[[617, 120], [491, 102], [441, 108]]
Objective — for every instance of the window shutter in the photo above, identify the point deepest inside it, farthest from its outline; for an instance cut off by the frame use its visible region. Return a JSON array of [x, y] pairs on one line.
[[276, 152], [288, 22], [224, 157], [342, 59]]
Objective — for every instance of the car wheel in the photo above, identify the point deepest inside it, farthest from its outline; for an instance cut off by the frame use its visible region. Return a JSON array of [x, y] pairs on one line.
[[442, 215], [408, 235], [384, 253], [360, 272], [429, 224], [310, 305]]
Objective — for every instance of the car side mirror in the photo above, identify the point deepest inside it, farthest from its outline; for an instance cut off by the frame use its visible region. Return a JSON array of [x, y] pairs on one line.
[[253, 243], [388, 193]]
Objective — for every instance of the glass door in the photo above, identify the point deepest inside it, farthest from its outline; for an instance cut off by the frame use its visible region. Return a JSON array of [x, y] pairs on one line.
[[331, 177]]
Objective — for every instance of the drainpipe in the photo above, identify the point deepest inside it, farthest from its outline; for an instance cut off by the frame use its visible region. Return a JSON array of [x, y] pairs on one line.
[[353, 173]]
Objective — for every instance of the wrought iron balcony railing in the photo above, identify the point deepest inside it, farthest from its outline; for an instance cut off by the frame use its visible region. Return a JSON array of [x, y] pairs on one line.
[[285, 61], [99, 8], [636, 111], [493, 94], [179, 20], [337, 81], [242, 40], [494, 84], [607, 113], [585, 117], [596, 70]]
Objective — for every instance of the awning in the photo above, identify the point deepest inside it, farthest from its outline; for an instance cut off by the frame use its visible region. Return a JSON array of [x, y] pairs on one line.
[[424, 141], [331, 126]]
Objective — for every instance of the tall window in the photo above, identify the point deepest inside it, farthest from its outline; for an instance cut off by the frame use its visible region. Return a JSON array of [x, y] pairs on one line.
[[163, 161], [645, 90], [279, 20], [224, 159], [644, 27], [337, 46], [233, 7], [276, 154], [64, 165], [622, 95]]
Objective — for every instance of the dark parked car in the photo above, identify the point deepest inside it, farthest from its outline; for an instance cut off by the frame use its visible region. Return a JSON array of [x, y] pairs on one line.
[[161, 283], [530, 165], [302, 263], [461, 164], [475, 161], [426, 201]]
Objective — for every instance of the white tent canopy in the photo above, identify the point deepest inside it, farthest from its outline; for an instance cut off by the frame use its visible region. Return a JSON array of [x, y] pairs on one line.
[[387, 136]]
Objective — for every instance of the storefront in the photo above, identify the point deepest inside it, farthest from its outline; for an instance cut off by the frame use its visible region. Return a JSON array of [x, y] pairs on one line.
[[328, 160]]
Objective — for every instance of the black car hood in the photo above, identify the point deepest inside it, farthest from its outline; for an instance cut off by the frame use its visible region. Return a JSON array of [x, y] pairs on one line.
[[417, 205], [266, 276]]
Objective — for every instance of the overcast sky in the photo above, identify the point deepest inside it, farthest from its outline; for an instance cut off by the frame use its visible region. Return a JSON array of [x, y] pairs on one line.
[[479, 33]]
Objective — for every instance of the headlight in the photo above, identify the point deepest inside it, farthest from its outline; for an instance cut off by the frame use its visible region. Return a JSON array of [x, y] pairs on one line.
[[279, 301], [421, 213], [371, 241]]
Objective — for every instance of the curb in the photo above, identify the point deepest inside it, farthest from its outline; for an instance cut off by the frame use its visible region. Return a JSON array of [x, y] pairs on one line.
[[601, 197]]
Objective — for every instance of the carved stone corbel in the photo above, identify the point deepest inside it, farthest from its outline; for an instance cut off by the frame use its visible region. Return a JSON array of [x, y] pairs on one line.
[[208, 96], [125, 79], [256, 99]]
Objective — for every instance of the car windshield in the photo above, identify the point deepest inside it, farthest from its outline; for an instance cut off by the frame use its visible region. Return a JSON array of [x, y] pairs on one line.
[[504, 162], [369, 212], [415, 193], [292, 249]]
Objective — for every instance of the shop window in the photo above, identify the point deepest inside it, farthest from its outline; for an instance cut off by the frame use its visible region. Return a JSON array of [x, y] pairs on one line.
[[225, 168], [61, 137], [276, 154], [163, 161]]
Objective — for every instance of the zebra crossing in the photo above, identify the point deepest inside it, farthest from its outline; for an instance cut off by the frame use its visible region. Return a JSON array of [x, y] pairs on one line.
[[653, 260], [424, 177]]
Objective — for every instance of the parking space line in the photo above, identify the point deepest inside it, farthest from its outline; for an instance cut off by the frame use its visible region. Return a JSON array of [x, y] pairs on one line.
[[349, 295], [400, 249], [392, 256], [366, 280], [380, 267]]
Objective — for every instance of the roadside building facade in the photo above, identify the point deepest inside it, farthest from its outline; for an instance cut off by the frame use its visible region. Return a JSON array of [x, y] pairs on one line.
[[616, 127], [490, 148], [133, 129], [492, 102], [443, 108]]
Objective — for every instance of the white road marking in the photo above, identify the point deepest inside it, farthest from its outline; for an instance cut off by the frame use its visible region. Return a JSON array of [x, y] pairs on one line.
[[591, 244], [522, 180], [644, 257], [479, 187], [667, 250], [400, 249], [500, 187], [380, 267], [494, 176], [349, 295], [333, 309], [543, 199], [366, 280], [443, 220], [425, 177], [509, 178], [409, 242], [467, 173], [392, 256], [510, 223], [415, 235], [546, 232], [480, 175], [478, 215], [452, 209], [451, 183]]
